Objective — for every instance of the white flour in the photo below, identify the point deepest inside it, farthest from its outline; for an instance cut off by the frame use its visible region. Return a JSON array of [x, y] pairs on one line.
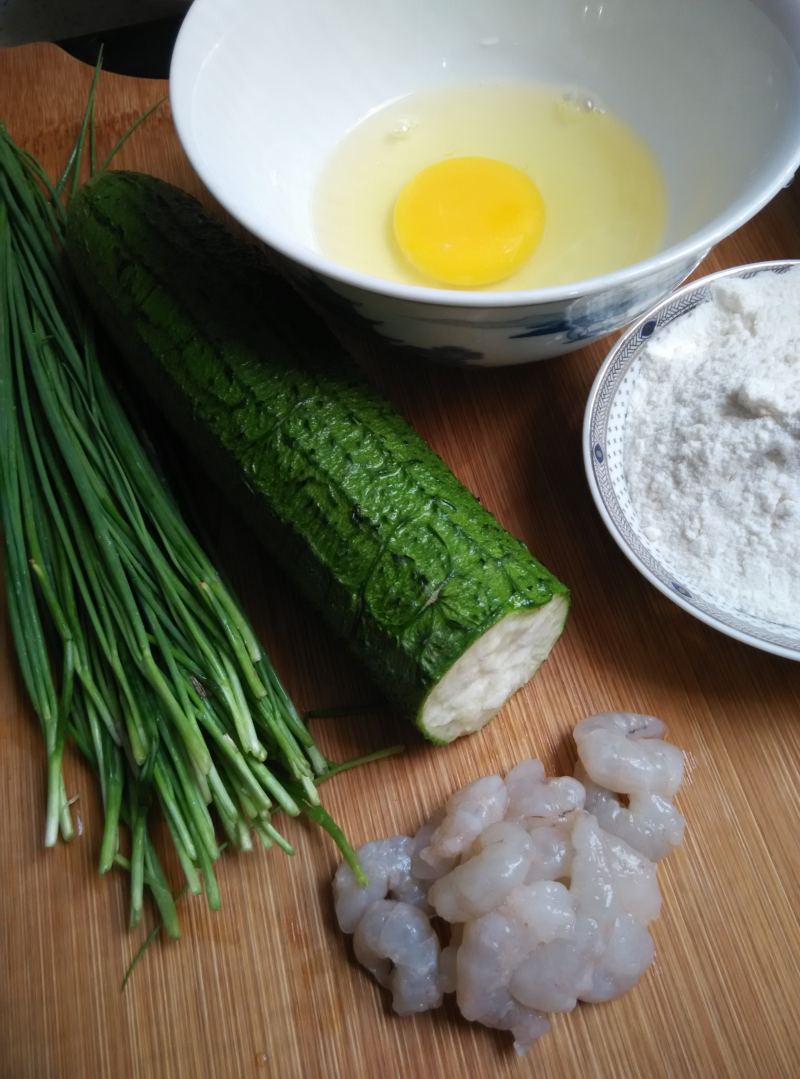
[[712, 446]]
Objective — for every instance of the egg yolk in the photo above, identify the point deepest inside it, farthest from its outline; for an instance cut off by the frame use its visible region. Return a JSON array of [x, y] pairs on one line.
[[468, 221]]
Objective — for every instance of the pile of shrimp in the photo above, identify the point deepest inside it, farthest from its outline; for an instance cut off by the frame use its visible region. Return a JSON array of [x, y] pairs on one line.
[[545, 886]]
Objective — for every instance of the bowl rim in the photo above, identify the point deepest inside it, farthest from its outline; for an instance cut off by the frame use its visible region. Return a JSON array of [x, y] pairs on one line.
[[589, 461], [187, 63]]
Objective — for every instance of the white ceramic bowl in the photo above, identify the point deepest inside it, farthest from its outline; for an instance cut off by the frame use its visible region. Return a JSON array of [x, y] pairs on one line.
[[603, 449], [263, 90]]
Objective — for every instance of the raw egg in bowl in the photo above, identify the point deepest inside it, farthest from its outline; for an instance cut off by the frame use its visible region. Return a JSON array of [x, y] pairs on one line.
[[490, 183]]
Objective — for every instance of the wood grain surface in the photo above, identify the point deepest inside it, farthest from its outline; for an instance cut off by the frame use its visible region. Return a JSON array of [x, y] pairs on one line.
[[267, 987]]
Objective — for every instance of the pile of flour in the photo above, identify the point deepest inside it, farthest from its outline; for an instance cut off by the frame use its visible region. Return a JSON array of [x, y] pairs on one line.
[[712, 446]]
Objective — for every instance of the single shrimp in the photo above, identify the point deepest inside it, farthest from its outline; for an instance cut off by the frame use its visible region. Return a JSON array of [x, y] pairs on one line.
[[557, 973], [467, 813], [397, 945], [501, 862], [609, 878], [487, 958], [531, 795], [626, 753], [650, 824], [387, 863], [627, 955]]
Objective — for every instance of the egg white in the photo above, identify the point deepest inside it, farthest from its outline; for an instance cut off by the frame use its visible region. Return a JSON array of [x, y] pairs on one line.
[[603, 189]]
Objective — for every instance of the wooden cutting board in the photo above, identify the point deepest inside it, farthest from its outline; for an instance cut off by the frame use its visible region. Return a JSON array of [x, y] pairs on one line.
[[267, 987]]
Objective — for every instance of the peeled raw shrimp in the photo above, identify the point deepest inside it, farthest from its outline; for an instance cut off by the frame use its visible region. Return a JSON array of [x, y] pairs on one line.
[[548, 886], [531, 795], [527, 925], [486, 960], [557, 947], [501, 862], [396, 944], [466, 814], [551, 850], [556, 974], [387, 863], [627, 954], [634, 878], [625, 752], [525, 1025], [609, 878], [649, 824], [432, 865], [542, 912]]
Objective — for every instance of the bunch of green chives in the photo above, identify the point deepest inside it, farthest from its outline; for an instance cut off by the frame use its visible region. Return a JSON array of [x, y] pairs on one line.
[[127, 638]]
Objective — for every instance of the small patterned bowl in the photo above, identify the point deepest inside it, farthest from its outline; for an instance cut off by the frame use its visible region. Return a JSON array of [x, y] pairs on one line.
[[263, 91], [603, 445]]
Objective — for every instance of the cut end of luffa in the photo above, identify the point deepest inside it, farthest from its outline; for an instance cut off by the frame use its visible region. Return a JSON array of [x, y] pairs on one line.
[[491, 671], [448, 612]]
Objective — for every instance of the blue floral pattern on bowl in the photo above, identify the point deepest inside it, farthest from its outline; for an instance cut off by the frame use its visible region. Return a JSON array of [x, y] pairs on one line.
[[493, 336]]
